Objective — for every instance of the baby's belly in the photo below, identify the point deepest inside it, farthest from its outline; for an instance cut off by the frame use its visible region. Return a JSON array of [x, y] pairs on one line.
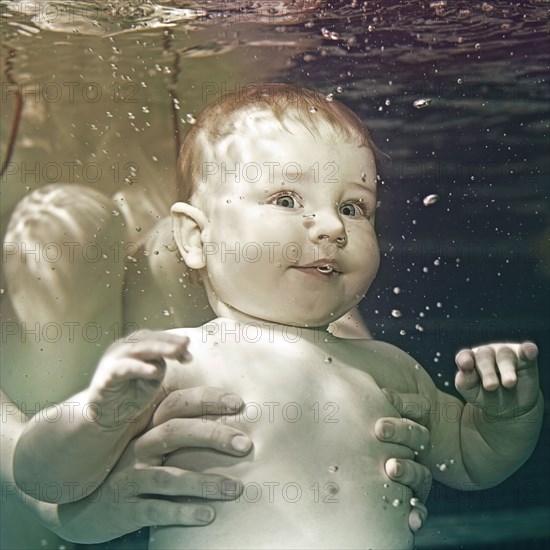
[[315, 478]]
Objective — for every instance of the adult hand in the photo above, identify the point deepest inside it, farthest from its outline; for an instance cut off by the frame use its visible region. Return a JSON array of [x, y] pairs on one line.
[[132, 496], [414, 474]]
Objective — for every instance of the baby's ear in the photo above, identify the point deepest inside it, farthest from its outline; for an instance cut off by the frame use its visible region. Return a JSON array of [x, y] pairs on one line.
[[188, 223]]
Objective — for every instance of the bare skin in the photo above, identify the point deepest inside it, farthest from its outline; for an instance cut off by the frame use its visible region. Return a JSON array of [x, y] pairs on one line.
[[331, 220]]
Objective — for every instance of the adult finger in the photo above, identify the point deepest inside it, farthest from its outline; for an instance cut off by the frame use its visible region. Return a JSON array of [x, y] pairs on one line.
[[418, 515], [190, 432], [410, 473], [170, 481], [409, 405], [163, 512], [197, 401], [403, 431]]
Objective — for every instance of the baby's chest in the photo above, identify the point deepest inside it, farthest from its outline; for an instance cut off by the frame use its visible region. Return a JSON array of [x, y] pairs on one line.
[[292, 384]]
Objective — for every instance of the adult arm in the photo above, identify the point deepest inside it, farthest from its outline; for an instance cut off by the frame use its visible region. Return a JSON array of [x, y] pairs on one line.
[[134, 493]]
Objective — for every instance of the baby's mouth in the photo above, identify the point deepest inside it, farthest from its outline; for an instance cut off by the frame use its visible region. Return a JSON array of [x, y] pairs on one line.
[[325, 268]]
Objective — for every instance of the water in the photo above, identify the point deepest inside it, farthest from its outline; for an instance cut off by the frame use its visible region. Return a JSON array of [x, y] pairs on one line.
[[455, 93]]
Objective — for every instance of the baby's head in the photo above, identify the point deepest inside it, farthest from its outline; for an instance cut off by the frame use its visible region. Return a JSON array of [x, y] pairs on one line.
[[278, 190]]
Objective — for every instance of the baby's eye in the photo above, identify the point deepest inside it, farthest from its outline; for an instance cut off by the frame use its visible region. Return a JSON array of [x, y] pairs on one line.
[[286, 199], [353, 210]]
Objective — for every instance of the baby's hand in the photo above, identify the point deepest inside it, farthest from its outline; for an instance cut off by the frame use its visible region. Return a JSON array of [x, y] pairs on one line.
[[129, 375], [502, 379]]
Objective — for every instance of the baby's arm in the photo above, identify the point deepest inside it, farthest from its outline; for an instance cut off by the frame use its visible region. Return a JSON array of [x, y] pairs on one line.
[[74, 445], [478, 444]]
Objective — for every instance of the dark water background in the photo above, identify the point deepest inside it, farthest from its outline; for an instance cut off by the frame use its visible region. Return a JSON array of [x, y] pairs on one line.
[[474, 266]]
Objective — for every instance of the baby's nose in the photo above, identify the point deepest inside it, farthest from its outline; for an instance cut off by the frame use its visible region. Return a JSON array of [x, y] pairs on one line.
[[325, 226]]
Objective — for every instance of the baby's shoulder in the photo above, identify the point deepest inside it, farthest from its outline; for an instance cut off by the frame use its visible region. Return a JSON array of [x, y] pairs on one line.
[[388, 352], [395, 361]]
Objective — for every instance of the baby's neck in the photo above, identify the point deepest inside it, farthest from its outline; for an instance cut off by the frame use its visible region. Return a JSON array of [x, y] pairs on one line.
[[229, 313]]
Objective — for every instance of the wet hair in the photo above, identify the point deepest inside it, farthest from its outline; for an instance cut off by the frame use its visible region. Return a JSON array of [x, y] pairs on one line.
[[224, 119]]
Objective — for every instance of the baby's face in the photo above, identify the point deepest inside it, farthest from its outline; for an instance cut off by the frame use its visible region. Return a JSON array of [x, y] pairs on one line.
[[290, 234]]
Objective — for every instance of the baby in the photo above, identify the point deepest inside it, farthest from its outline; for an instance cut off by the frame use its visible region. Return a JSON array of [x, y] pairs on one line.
[[277, 217]]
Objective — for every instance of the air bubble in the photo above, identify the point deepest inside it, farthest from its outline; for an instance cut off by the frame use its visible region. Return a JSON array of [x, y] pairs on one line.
[[428, 200], [396, 313], [190, 118], [396, 290], [312, 110], [333, 469], [422, 102], [395, 502], [328, 359]]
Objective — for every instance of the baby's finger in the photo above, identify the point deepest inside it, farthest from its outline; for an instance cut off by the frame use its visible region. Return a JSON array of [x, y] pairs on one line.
[[128, 369], [197, 401], [486, 367], [155, 345], [467, 377], [170, 481], [403, 431], [507, 362], [163, 512], [411, 474], [418, 515], [528, 353], [180, 433]]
